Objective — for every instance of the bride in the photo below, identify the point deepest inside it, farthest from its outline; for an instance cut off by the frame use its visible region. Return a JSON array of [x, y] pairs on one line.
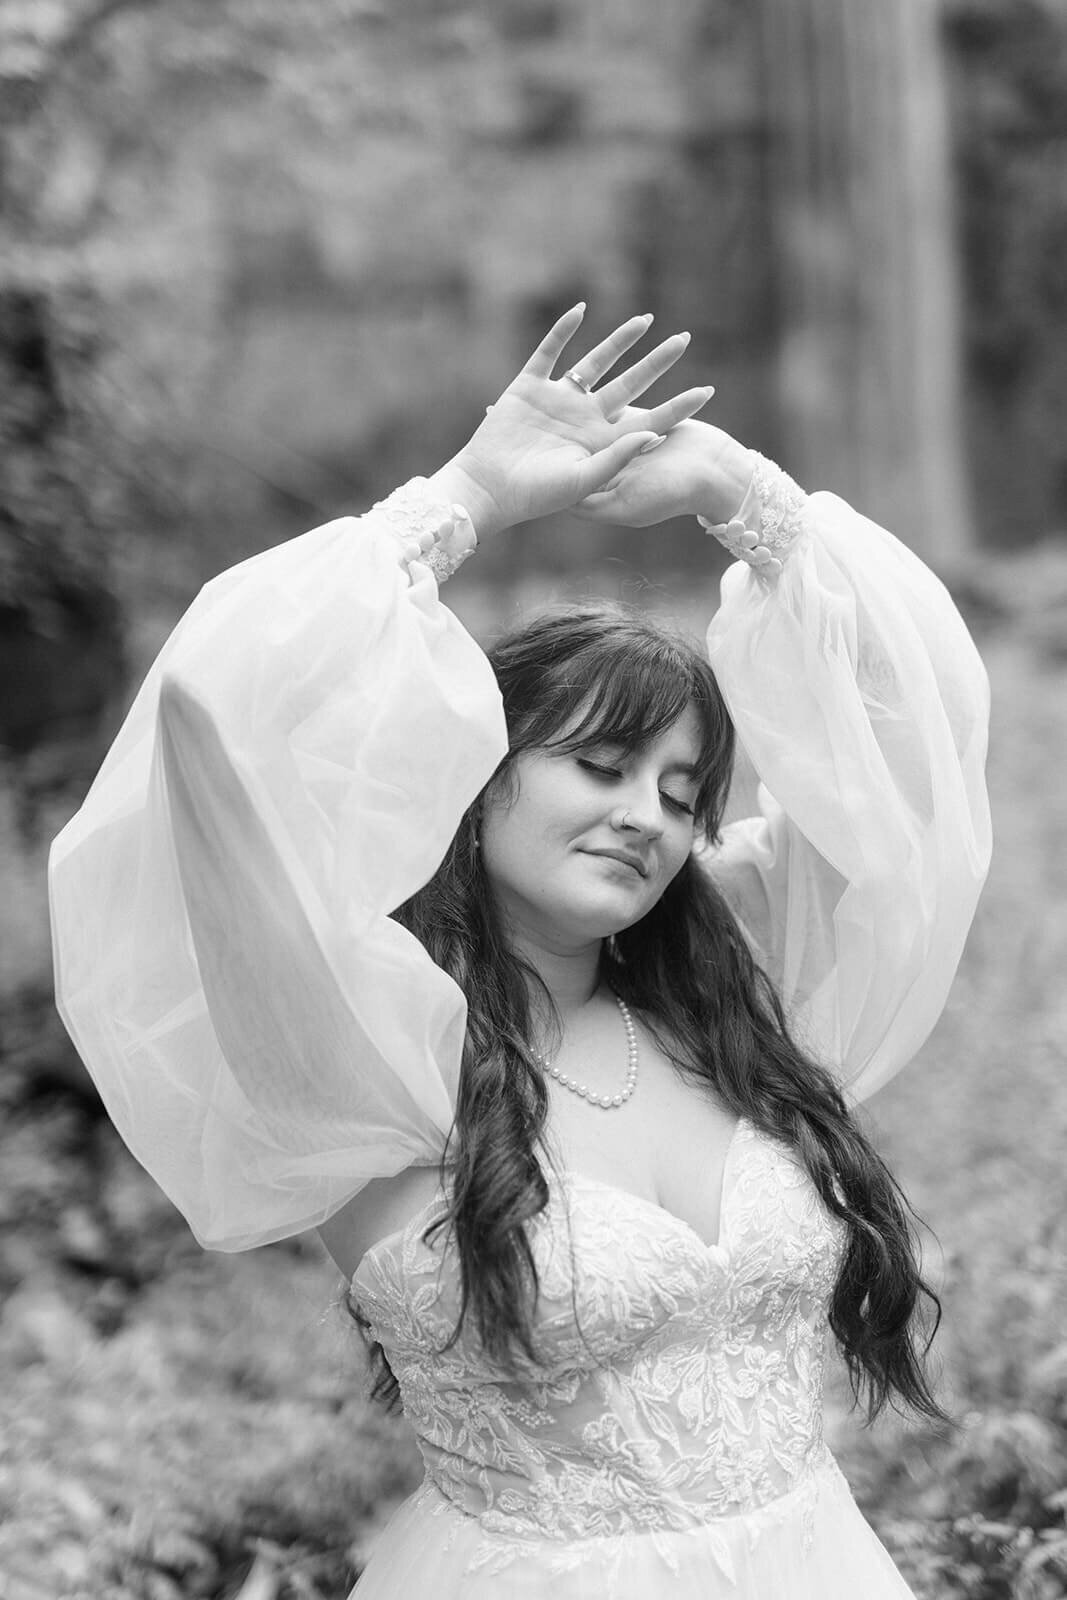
[[452, 957]]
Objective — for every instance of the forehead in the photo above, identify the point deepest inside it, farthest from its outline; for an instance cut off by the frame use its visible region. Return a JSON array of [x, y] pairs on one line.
[[680, 742], [684, 738]]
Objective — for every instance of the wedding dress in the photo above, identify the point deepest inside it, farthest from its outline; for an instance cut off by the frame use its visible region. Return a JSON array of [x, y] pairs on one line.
[[268, 1040], [670, 1443]]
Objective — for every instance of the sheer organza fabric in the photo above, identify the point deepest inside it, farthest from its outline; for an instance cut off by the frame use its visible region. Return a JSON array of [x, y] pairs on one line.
[[863, 706], [812, 1544], [267, 1040], [264, 1037]]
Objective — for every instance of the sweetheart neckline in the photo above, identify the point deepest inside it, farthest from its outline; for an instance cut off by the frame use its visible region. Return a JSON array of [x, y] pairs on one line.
[[719, 1247], [572, 1178]]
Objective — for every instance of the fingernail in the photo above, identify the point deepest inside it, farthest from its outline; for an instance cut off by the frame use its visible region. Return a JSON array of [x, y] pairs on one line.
[[649, 316], [653, 444], [684, 336], [579, 307], [709, 389]]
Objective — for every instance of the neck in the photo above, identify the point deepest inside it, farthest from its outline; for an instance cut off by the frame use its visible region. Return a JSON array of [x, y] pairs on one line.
[[571, 976]]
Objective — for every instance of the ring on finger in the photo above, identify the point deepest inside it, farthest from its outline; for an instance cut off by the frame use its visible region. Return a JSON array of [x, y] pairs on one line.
[[576, 377]]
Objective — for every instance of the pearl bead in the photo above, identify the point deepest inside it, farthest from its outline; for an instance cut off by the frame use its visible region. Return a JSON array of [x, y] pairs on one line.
[[604, 1102]]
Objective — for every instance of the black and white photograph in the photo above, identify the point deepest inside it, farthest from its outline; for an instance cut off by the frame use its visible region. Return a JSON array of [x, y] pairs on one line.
[[533, 849]]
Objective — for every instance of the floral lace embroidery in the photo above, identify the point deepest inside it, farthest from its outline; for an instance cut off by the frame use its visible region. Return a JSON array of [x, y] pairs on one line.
[[679, 1382], [438, 535], [781, 506], [768, 523]]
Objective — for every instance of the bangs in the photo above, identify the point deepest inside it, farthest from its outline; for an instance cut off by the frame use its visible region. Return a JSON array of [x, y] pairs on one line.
[[630, 705], [629, 697], [597, 673]]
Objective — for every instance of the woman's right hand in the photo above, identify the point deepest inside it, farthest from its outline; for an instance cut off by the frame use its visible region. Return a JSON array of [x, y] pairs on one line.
[[700, 471], [547, 443]]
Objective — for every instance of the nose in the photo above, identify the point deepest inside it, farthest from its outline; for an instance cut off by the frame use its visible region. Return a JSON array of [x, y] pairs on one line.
[[641, 813]]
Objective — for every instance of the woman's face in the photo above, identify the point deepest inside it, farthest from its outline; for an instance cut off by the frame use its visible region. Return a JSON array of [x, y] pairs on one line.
[[591, 839]]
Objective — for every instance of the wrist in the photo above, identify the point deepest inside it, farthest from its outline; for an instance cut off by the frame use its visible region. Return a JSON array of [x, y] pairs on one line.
[[724, 479], [768, 522], [456, 483], [435, 532]]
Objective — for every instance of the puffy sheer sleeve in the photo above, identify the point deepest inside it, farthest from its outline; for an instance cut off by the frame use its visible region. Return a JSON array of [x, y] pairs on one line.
[[265, 1037], [862, 704]]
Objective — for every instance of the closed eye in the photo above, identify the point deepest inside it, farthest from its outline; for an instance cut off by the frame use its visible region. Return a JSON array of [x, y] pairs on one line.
[[671, 801], [598, 770], [677, 805]]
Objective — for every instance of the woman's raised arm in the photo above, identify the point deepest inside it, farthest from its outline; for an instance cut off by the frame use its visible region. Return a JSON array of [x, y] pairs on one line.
[[266, 1038], [860, 698], [861, 702]]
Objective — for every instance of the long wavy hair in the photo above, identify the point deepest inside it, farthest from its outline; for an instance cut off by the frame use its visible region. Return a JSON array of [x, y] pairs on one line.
[[573, 678]]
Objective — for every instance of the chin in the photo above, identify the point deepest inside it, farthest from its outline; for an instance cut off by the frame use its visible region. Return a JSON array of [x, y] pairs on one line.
[[602, 922]]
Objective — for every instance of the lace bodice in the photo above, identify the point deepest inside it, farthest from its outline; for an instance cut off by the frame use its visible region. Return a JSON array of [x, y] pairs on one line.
[[681, 1381]]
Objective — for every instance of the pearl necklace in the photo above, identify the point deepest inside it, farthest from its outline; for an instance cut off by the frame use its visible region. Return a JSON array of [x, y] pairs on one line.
[[605, 1101]]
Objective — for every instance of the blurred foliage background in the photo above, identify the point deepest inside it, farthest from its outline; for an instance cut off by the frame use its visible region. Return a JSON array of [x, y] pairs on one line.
[[262, 259]]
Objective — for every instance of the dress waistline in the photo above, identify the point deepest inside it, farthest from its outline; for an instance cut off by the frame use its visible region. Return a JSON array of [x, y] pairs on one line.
[[799, 1500]]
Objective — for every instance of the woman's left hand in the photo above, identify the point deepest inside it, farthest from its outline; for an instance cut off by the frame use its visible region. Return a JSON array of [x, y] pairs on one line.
[[699, 470], [549, 441]]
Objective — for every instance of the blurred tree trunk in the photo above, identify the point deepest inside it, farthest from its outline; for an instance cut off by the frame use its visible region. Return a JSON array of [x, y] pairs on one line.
[[62, 638], [861, 202]]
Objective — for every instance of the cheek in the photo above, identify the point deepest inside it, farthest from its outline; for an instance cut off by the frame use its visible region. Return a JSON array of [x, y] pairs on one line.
[[499, 846], [542, 818], [677, 854], [514, 844]]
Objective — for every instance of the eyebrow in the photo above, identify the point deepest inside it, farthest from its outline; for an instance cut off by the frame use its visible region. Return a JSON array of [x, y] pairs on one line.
[[683, 769]]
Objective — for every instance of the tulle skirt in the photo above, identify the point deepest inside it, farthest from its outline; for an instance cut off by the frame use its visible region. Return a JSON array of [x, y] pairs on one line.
[[811, 1544]]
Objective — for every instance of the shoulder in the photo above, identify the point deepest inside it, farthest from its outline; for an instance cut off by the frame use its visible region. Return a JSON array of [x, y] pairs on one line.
[[384, 1207]]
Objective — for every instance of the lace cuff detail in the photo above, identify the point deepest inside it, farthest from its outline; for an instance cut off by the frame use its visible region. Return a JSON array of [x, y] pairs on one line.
[[769, 522], [432, 532]]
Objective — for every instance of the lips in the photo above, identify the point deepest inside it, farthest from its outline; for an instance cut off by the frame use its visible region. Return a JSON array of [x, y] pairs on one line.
[[625, 857]]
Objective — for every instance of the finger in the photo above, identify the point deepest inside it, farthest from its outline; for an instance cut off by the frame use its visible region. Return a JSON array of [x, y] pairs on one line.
[[624, 389], [667, 416], [605, 492], [594, 505], [603, 356], [555, 342], [606, 464]]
